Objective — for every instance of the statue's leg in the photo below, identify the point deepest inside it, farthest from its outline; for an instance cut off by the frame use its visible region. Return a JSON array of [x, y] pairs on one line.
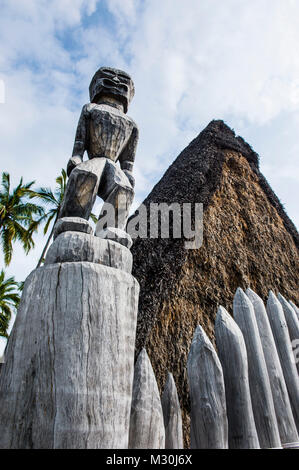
[[116, 191], [82, 189]]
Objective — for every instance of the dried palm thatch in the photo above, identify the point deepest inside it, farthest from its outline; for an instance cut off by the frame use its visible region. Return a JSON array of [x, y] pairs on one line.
[[249, 241]]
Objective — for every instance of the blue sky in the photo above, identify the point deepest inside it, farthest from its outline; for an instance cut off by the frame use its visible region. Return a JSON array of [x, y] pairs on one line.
[[191, 61]]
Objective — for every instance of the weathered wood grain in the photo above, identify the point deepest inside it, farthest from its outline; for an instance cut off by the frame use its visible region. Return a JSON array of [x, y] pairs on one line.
[[285, 420], [260, 390], [67, 379], [72, 224], [292, 322], [232, 353], [295, 308], [77, 246], [284, 349], [146, 424], [209, 428], [172, 415]]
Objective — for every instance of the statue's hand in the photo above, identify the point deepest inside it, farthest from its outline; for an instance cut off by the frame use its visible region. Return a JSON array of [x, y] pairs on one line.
[[130, 177], [72, 163]]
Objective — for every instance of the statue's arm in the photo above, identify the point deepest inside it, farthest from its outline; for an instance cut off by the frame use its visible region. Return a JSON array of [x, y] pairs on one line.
[[127, 157], [80, 143]]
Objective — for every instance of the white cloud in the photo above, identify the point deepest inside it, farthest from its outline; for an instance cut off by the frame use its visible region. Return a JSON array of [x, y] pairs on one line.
[[2, 92], [65, 12], [191, 62], [235, 57], [125, 12], [231, 60]]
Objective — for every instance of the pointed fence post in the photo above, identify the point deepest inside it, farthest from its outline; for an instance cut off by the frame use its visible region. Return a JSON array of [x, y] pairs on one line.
[[295, 308], [146, 424], [231, 348], [284, 349], [172, 415], [292, 322], [285, 420], [209, 428], [260, 390]]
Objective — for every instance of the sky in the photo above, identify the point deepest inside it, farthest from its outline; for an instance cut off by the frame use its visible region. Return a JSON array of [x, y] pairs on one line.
[[191, 62]]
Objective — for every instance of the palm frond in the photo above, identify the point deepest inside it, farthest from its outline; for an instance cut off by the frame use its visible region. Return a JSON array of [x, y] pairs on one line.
[[50, 218], [6, 182], [9, 301], [94, 218], [28, 209], [19, 217], [6, 242], [44, 194], [21, 285]]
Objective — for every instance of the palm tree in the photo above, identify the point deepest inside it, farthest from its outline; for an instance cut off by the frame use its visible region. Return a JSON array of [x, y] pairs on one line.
[[17, 216], [53, 201], [9, 301]]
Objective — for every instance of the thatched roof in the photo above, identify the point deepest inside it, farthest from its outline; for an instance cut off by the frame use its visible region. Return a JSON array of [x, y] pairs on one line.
[[249, 241]]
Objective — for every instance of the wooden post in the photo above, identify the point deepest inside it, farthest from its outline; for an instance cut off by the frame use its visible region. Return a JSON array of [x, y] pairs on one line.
[[285, 420], [261, 395], [295, 308], [68, 373], [233, 356], [292, 322], [147, 424], [172, 415], [209, 429], [284, 349]]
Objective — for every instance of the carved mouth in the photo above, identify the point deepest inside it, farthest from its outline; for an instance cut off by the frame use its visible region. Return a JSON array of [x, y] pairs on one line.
[[105, 86], [122, 88]]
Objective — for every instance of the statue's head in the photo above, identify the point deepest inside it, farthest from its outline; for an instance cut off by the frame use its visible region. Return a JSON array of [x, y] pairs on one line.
[[113, 83]]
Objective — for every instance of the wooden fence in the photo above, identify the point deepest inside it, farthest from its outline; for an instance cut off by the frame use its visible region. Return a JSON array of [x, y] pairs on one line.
[[244, 396]]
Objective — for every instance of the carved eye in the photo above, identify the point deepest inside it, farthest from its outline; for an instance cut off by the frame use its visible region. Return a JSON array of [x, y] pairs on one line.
[[108, 72], [123, 77]]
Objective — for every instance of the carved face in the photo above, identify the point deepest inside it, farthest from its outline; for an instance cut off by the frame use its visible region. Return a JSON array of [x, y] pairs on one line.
[[114, 83]]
